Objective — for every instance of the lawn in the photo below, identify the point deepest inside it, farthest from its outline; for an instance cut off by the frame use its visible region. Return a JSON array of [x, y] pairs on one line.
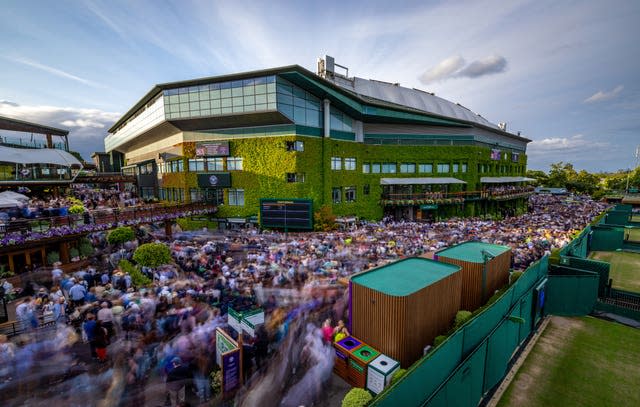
[[634, 234], [579, 362], [625, 269]]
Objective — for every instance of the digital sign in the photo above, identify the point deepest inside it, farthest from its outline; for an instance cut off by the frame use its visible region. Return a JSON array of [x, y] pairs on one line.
[[286, 213], [212, 149]]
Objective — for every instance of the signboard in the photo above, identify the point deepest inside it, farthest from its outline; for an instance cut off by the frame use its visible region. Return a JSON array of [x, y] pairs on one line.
[[539, 297], [224, 344], [234, 319], [231, 371], [495, 154], [214, 180], [212, 149], [431, 206], [286, 213], [245, 321], [515, 157], [375, 381]]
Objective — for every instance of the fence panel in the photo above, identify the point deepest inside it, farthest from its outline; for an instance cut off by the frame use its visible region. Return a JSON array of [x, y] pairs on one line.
[[526, 313], [617, 218], [572, 295], [606, 239], [601, 267], [478, 329], [501, 346]]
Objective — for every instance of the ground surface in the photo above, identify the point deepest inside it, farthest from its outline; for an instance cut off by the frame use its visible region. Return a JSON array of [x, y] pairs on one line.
[[625, 269], [634, 234], [579, 362]]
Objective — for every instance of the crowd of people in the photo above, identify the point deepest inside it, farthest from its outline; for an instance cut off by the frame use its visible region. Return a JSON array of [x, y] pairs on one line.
[[166, 330]]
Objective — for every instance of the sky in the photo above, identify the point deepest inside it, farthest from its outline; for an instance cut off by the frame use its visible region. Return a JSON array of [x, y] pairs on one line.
[[566, 74]]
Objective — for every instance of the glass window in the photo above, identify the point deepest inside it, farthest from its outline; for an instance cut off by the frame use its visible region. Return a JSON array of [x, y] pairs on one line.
[[336, 195], [464, 167], [234, 163], [455, 168], [389, 168], [295, 177], [215, 164], [336, 163], [407, 168], [375, 168], [443, 168], [196, 164], [366, 168], [195, 194], [350, 164], [425, 168], [295, 146], [350, 194], [236, 197]]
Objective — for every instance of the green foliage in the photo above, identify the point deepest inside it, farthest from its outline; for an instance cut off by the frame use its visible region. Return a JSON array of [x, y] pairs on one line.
[[357, 397], [76, 209], [4, 273], [541, 177], [554, 256], [190, 224], [121, 235], [324, 219], [152, 255], [461, 317], [438, 340], [53, 257], [215, 379], [514, 276], [85, 247], [77, 155], [73, 252], [137, 278], [398, 374]]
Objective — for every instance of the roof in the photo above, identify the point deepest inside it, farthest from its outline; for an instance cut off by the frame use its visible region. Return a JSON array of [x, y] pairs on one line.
[[472, 251], [37, 156], [499, 180], [8, 123], [404, 277], [448, 110], [420, 181]]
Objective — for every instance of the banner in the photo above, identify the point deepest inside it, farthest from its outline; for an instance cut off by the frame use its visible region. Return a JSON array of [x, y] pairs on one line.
[[224, 344], [231, 371], [212, 149]]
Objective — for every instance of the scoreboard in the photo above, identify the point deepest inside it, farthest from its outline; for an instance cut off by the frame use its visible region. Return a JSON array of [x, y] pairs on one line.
[[286, 213]]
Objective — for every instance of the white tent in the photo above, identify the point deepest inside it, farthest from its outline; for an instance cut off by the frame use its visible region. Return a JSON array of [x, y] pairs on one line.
[[6, 202], [37, 156], [13, 196]]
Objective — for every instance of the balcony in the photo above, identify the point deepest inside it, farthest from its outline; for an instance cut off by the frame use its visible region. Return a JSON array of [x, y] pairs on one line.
[[443, 198]]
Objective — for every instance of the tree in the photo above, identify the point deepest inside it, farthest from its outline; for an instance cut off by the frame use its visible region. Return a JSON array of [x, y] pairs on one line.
[[121, 235], [540, 176], [152, 255], [560, 173], [77, 155], [324, 219]]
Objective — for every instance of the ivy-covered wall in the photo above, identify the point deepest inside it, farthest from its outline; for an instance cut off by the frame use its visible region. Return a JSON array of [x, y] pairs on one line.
[[266, 163]]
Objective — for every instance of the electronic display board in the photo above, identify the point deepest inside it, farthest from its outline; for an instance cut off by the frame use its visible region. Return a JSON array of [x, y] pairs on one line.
[[286, 213]]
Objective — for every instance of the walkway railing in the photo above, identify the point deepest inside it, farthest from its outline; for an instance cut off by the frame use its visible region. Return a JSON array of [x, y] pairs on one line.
[[453, 197]]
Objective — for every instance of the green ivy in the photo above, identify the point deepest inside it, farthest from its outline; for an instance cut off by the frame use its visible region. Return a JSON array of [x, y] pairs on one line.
[[137, 278]]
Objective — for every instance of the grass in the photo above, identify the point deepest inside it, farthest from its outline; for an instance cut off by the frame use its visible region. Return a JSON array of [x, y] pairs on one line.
[[625, 269], [579, 362], [187, 224], [634, 234]]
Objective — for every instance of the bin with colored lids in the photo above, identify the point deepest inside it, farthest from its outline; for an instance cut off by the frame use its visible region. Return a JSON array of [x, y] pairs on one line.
[[379, 373], [343, 349], [358, 362]]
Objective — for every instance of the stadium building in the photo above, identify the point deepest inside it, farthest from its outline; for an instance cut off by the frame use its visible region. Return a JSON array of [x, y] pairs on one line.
[[366, 148]]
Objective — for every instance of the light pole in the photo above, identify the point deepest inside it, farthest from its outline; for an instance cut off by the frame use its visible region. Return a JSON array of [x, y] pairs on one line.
[[637, 155]]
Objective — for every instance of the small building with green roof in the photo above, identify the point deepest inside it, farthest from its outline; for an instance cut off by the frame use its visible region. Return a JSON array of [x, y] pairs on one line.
[[485, 269], [401, 307]]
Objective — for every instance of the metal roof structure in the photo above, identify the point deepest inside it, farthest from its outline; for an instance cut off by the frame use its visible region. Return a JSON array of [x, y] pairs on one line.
[[421, 181], [8, 123], [500, 180]]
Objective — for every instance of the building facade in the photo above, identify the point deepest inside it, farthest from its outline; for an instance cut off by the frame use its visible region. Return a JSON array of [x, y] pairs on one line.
[[364, 147]]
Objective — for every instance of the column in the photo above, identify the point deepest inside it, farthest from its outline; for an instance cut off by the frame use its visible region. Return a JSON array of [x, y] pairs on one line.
[[326, 124], [64, 252], [167, 228]]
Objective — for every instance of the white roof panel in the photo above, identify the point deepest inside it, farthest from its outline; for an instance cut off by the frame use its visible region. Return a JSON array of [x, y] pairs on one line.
[[420, 181], [37, 156]]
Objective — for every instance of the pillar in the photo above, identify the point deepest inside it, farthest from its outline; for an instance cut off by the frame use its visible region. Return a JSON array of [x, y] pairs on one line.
[[168, 231], [49, 141], [64, 253], [326, 123], [12, 266]]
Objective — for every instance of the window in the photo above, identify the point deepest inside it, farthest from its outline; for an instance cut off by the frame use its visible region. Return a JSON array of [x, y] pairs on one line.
[[366, 168], [215, 164], [350, 164], [456, 167], [196, 164], [295, 177], [336, 195], [366, 189], [340, 121], [195, 195], [236, 197], [464, 167], [425, 168], [336, 163], [295, 146], [350, 194], [443, 168], [407, 168], [234, 164], [375, 168], [389, 168]]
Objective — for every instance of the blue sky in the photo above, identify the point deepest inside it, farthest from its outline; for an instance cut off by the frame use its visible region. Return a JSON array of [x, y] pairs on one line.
[[565, 74]]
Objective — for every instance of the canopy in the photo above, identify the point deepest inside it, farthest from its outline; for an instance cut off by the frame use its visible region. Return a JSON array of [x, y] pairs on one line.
[[6, 202], [37, 156], [500, 180], [419, 181], [14, 196]]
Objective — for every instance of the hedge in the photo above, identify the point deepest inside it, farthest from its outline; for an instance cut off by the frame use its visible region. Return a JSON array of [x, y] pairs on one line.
[[152, 255], [121, 235], [357, 397]]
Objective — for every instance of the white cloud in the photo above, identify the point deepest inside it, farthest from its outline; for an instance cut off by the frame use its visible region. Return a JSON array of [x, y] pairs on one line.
[[87, 127], [456, 67], [56, 72], [602, 96], [564, 145]]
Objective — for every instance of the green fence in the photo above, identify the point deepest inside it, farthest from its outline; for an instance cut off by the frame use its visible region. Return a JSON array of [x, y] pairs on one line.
[[574, 292], [606, 238], [602, 268], [474, 358], [620, 218]]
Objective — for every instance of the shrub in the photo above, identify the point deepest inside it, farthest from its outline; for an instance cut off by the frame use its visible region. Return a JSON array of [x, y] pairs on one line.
[[554, 257], [357, 397], [438, 340], [324, 219], [73, 252], [86, 248], [398, 374], [138, 279], [152, 255], [461, 318], [75, 209], [121, 235], [514, 276], [215, 378], [53, 257]]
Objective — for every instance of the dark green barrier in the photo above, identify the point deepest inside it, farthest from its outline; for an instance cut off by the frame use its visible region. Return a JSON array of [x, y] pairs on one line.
[[572, 295], [606, 239], [601, 267], [617, 218], [623, 208], [614, 309]]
